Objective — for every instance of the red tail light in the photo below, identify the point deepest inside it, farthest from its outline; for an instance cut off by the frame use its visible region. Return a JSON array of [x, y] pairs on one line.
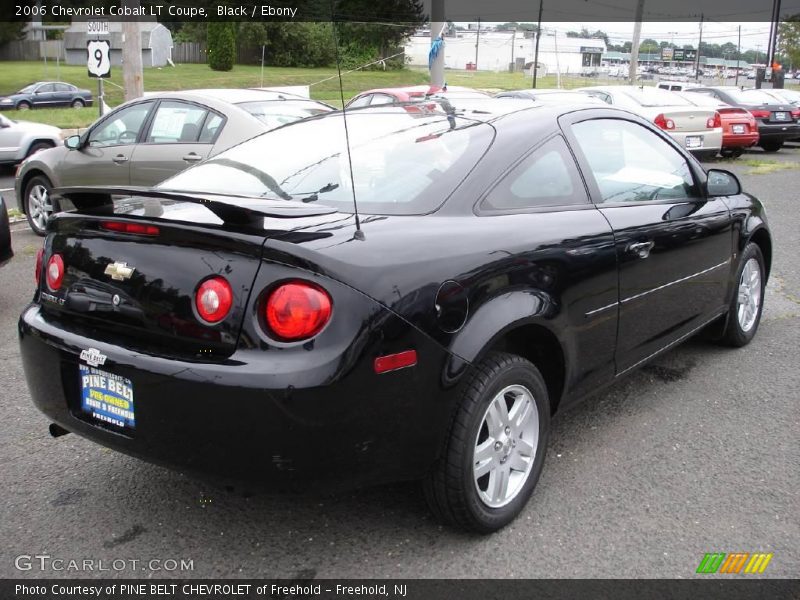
[[796, 113], [714, 122], [297, 310], [760, 114], [664, 123], [55, 272], [39, 261], [134, 228], [213, 299]]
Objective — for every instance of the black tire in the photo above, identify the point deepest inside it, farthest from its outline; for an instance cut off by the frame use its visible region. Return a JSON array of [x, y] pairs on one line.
[[771, 145], [78, 103], [37, 224], [23, 105], [36, 147], [706, 155], [731, 152], [734, 334], [450, 488]]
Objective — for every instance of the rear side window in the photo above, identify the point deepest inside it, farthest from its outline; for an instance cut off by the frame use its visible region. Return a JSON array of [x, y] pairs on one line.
[[177, 123], [546, 177]]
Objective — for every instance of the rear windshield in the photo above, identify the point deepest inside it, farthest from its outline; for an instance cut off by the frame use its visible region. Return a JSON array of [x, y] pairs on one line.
[[280, 112], [403, 163], [752, 97]]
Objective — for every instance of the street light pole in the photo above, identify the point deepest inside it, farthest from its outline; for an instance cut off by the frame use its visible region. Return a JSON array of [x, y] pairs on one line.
[[536, 50]]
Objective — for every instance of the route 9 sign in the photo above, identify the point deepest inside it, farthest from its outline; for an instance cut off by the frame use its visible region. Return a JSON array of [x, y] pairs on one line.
[[98, 59]]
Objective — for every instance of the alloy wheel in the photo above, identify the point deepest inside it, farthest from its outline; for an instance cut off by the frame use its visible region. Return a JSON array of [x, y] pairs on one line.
[[39, 205], [505, 447], [749, 299]]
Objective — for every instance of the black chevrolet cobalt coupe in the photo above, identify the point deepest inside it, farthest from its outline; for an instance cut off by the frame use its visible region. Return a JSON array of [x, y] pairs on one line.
[[241, 319]]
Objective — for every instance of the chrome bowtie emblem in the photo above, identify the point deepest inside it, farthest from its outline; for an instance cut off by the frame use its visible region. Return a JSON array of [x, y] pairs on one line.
[[119, 271]]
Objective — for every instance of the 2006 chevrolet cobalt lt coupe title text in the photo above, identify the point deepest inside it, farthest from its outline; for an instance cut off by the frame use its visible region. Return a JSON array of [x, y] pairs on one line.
[[238, 319]]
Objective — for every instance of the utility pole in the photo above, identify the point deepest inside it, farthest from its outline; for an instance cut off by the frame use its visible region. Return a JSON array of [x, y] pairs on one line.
[[477, 42], [513, 42], [437, 29], [637, 34], [738, 57], [536, 50], [773, 32], [697, 58], [132, 76]]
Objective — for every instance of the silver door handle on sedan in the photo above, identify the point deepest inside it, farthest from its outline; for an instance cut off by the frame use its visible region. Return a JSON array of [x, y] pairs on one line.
[[192, 157], [120, 158], [641, 249]]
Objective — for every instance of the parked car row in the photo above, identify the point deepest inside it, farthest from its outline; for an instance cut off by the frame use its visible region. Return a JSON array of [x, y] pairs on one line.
[[508, 258], [148, 140]]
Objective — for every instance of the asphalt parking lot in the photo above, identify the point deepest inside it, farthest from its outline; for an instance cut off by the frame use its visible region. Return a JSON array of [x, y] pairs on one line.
[[696, 453]]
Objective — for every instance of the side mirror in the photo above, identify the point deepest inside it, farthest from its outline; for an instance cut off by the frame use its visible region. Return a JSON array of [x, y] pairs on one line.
[[722, 183], [73, 142]]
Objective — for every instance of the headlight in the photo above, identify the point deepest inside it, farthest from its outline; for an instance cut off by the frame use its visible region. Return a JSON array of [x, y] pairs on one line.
[[6, 101]]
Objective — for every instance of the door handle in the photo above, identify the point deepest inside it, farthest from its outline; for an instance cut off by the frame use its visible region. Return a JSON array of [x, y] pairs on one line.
[[120, 158], [192, 157], [641, 249]]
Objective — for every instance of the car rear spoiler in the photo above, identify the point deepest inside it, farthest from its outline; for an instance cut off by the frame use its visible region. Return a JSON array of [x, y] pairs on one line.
[[233, 210]]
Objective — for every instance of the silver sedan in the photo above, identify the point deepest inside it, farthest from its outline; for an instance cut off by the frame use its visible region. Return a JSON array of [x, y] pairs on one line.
[[147, 140]]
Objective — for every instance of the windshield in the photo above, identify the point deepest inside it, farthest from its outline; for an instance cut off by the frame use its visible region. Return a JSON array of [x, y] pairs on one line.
[[650, 96], [280, 112], [402, 164], [28, 89]]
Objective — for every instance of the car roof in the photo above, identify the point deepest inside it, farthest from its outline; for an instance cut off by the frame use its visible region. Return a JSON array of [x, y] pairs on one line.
[[236, 95], [417, 89]]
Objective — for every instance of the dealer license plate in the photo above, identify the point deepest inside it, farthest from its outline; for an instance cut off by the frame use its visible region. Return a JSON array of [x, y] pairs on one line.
[[107, 397], [694, 141], [738, 129]]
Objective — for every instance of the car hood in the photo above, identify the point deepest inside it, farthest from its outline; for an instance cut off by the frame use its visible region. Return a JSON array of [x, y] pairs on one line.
[[39, 128]]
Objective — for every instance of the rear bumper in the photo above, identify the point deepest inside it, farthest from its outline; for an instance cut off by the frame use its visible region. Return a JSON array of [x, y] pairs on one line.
[[779, 131], [711, 139], [244, 419], [739, 140]]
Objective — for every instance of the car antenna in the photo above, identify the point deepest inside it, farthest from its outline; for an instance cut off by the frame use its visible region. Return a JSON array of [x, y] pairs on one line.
[[359, 234]]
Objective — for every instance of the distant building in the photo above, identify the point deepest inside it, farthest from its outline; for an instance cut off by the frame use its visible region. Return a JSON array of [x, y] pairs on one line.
[[156, 43], [499, 49]]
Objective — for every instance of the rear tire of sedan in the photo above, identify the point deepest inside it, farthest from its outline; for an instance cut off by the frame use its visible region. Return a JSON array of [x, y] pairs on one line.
[[78, 103], [495, 448], [771, 146], [39, 204], [744, 314]]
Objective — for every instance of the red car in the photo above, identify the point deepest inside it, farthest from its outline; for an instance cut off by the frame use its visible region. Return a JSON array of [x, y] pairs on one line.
[[739, 127], [414, 93]]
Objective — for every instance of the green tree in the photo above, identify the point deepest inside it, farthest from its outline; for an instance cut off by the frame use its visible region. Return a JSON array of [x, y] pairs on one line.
[[789, 40], [221, 45], [11, 31]]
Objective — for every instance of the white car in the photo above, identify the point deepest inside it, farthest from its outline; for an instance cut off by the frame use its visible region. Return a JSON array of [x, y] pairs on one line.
[[20, 139], [696, 128]]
